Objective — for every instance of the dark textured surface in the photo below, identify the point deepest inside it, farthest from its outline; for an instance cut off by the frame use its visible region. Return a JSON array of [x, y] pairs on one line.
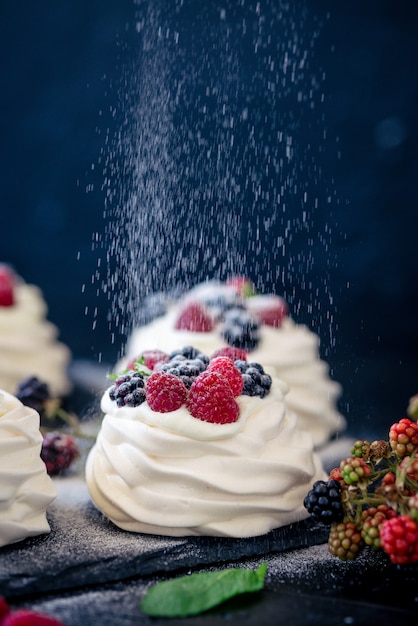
[[85, 549], [305, 586]]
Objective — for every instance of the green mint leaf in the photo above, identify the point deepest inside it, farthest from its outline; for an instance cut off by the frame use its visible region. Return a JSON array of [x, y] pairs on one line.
[[190, 595], [137, 368]]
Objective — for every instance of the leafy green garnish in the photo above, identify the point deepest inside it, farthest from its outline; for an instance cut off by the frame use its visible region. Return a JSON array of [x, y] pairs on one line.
[[137, 368], [190, 595]]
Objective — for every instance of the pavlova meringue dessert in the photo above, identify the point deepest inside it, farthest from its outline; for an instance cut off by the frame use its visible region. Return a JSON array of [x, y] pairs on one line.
[[192, 446], [28, 341], [26, 490], [216, 314]]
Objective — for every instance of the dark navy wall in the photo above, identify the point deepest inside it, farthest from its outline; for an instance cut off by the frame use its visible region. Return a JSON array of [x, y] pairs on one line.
[[60, 76]]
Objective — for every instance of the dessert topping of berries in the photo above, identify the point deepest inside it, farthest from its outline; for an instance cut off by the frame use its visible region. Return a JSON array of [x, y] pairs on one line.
[[172, 383], [324, 503], [165, 392], [195, 318], [240, 329], [224, 366], [128, 390], [211, 399], [256, 381], [7, 284], [34, 393], [58, 452]]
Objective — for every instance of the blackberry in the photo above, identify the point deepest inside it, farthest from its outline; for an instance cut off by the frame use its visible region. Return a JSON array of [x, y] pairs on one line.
[[33, 393], [323, 502], [128, 390], [189, 352], [58, 452], [240, 329], [256, 381], [219, 305], [186, 368]]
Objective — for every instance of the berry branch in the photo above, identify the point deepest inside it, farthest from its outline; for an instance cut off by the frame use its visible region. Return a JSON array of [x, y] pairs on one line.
[[372, 497]]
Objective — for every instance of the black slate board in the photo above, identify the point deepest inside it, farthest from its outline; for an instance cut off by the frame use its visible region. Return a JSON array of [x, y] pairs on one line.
[[85, 549], [303, 587]]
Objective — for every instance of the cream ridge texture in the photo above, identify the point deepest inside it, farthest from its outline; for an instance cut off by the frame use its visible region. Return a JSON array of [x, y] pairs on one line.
[[290, 352], [26, 490], [29, 345], [173, 474]]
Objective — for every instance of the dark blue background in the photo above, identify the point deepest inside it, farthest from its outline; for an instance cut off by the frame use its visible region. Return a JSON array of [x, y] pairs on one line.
[[60, 75]]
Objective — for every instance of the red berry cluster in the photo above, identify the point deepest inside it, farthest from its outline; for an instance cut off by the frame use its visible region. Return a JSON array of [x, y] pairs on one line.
[[211, 397], [379, 495]]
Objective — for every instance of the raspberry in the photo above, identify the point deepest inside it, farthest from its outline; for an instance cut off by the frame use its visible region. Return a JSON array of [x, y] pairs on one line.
[[224, 366], [6, 286], [256, 381], [371, 523], [58, 452], [34, 393], [195, 318], [235, 354], [403, 437], [323, 502], [354, 471], [150, 358], [128, 390], [165, 392], [270, 310], [344, 541], [399, 539], [211, 400], [29, 618]]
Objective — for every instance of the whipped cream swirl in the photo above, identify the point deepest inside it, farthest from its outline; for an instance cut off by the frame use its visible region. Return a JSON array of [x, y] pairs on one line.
[[28, 343], [26, 490], [172, 474]]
